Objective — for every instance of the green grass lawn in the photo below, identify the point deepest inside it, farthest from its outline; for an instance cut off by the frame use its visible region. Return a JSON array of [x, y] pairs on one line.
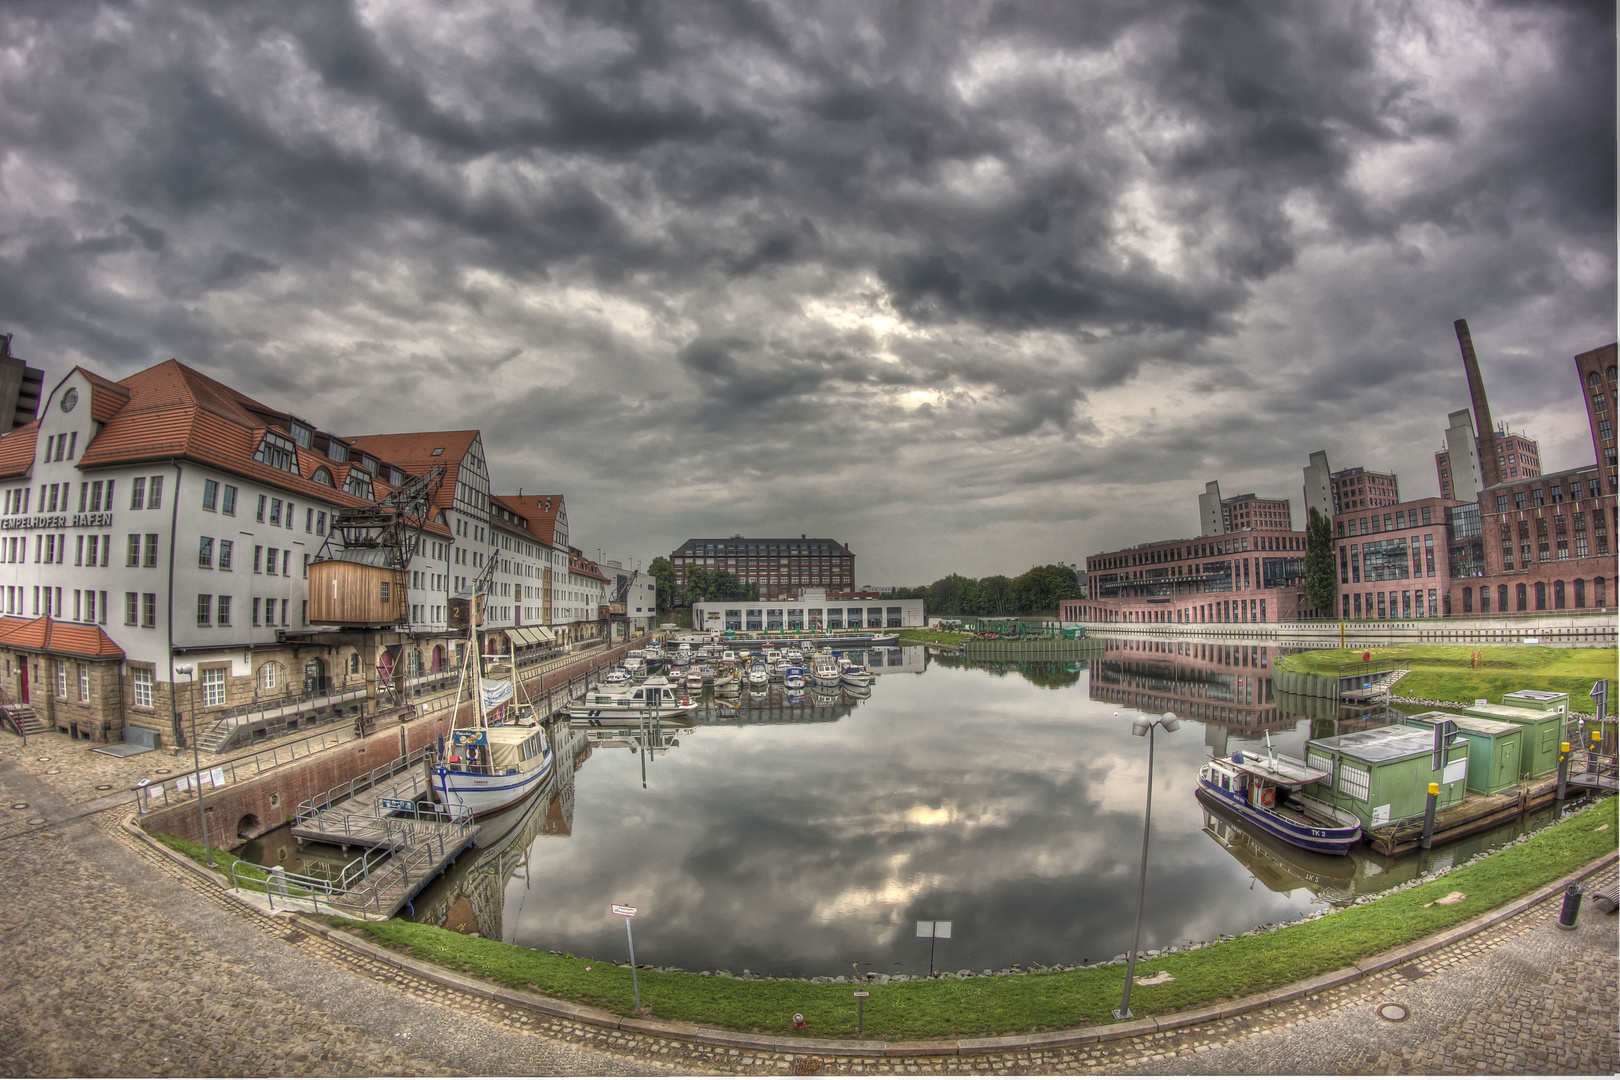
[[1020, 1004], [933, 637], [1442, 672]]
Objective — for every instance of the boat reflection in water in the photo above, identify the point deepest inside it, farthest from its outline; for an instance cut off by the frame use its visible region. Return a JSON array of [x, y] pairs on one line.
[[1279, 866], [470, 895]]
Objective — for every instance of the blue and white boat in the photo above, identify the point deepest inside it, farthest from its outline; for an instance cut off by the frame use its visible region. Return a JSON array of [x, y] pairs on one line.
[[501, 759], [794, 679], [856, 675], [1266, 792]]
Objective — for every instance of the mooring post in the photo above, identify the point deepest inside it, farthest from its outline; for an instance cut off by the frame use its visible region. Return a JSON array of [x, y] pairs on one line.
[[1428, 816], [1563, 769]]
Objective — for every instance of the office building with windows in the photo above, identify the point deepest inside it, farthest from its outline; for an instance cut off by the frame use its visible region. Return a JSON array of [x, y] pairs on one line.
[[1241, 512], [778, 566], [808, 609]]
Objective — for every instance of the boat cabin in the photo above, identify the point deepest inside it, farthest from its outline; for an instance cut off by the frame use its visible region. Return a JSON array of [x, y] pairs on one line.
[[1382, 775], [1494, 749], [497, 751], [1544, 730]]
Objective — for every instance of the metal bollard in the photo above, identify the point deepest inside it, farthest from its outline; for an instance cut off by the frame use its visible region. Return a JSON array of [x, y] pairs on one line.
[[1571, 909], [1563, 770]]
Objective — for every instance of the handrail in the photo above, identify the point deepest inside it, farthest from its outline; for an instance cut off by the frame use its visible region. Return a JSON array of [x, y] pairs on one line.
[[230, 767], [313, 806]]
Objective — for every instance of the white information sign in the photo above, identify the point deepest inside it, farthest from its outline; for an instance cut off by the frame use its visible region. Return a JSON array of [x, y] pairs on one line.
[[217, 777], [933, 928], [1455, 770], [621, 909], [1380, 815]]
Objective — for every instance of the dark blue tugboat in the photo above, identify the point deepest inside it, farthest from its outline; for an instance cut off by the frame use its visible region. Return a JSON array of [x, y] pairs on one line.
[[1266, 793]]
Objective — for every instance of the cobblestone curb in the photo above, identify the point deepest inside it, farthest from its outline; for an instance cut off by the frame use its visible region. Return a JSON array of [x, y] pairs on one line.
[[732, 1043]]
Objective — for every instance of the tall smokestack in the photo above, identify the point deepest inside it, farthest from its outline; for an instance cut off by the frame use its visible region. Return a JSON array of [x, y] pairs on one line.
[[1490, 471]]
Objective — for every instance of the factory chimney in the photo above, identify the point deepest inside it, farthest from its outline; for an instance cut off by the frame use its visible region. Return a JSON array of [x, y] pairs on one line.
[[1490, 470]]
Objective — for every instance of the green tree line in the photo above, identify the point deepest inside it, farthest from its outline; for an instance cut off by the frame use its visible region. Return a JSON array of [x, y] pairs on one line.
[[1038, 589]]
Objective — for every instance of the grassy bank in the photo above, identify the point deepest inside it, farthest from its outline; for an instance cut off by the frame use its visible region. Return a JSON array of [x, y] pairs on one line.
[[915, 636], [1442, 672], [1018, 1004]]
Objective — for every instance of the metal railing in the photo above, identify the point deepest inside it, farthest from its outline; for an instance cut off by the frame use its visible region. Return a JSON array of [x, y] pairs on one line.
[[313, 806], [365, 884], [255, 764]]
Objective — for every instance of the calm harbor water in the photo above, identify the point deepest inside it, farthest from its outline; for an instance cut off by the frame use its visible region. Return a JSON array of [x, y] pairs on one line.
[[797, 838]]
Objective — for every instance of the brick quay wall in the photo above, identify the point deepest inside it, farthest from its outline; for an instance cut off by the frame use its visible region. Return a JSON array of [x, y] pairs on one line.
[[244, 810]]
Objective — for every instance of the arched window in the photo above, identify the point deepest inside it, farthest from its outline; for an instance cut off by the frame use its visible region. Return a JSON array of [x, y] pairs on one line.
[[1541, 596], [1593, 378], [323, 475], [1521, 597], [1599, 597], [272, 676], [1558, 595], [354, 660], [1580, 592]]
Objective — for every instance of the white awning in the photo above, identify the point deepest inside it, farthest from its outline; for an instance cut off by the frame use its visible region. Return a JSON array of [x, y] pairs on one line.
[[545, 634], [523, 635]]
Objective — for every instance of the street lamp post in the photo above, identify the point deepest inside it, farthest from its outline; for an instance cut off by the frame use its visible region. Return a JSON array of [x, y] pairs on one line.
[[196, 760], [1170, 722]]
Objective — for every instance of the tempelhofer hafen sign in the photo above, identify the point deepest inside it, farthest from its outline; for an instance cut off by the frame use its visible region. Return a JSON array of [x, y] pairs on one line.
[[102, 520]]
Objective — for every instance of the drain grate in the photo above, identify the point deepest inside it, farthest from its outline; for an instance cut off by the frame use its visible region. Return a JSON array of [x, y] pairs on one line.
[[1411, 972], [293, 937]]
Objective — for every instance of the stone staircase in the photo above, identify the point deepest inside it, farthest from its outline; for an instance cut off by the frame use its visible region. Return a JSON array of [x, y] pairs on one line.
[[22, 719]]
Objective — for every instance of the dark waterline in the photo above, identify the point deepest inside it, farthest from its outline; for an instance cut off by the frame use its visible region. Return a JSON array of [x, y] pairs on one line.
[[794, 839]]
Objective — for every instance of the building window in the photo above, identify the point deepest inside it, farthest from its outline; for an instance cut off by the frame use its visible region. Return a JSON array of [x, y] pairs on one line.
[[225, 554], [149, 610], [84, 682], [228, 505], [224, 614], [61, 679], [278, 452], [154, 493], [205, 553], [132, 608], [213, 686], [134, 556], [137, 493], [151, 550], [1541, 596], [205, 609], [210, 494], [142, 678]]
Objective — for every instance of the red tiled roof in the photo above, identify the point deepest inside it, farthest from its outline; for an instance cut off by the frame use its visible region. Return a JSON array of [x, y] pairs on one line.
[[541, 510], [579, 564], [45, 634], [173, 411], [413, 452], [106, 396], [17, 449]]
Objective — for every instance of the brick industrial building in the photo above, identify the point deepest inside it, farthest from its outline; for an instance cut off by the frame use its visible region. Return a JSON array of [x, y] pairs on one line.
[[779, 566], [1511, 540]]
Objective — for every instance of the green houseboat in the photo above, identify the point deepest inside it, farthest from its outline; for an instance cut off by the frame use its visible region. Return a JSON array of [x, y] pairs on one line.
[[1382, 775], [1544, 730], [1494, 749]]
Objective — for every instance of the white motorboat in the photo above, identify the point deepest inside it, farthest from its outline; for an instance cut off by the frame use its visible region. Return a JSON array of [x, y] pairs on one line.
[[824, 673], [694, 680], [617, 676], [759, 676], [794, 680], [855, 675], [657, 693]]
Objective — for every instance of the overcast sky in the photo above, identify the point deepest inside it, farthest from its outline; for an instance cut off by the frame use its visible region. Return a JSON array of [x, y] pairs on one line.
[[965, 286]]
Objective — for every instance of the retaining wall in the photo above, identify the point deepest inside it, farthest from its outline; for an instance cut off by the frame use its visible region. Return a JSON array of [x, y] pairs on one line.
[[244, 810]]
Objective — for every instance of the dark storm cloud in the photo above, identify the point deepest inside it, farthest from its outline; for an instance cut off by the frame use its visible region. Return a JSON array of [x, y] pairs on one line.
[[729, 264]]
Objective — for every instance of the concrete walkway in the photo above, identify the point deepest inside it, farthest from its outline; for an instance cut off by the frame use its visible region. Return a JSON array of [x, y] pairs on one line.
[[120, 961]]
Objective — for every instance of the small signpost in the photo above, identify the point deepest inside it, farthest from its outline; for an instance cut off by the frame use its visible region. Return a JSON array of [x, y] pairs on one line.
[[396, 804], [1600, 697], [933, 930], [860, 1008], [629, 913]]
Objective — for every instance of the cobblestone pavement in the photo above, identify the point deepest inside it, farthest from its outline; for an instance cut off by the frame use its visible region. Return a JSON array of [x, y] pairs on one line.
[[115, 965], [119, 962]]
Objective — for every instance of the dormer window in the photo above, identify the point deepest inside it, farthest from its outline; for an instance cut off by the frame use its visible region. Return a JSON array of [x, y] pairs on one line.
[[369, 463], [358, 484], [395, 477], [323, 475], [337, 451], [301, 434], [278, 452]]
